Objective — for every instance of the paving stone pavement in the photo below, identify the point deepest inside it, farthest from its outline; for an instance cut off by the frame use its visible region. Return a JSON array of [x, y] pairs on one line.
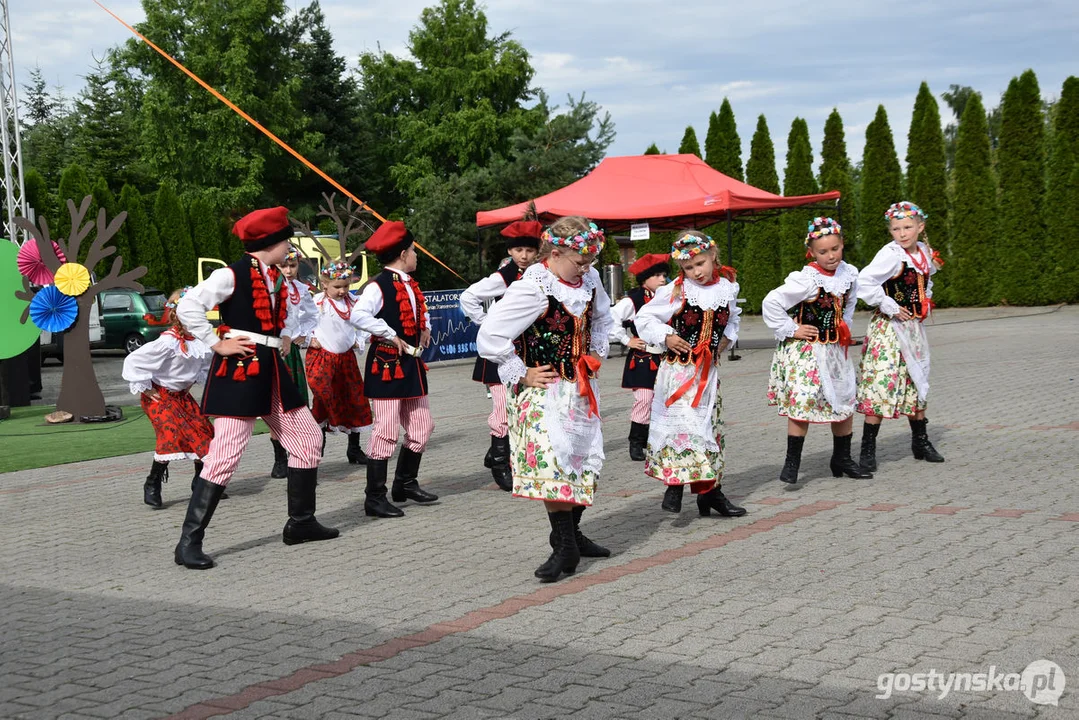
[[793, 611]]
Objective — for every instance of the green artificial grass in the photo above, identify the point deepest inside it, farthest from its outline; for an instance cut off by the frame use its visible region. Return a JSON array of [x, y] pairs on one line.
[[27, 441]]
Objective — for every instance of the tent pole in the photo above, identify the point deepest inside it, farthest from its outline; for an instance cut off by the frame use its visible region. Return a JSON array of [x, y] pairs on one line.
[[730, 259]]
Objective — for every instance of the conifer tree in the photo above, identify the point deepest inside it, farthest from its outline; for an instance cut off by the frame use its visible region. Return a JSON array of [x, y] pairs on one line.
[[37, 194], [103, 198], [974, 210], [689, 145], [145, 244], [74, 186], [760, 267], [1021, 165], [652, 149], [1062, 197], [205, 226], [798, 179], [927, 180], [835, 175], [175, 234], [723, 147], [882, 185]]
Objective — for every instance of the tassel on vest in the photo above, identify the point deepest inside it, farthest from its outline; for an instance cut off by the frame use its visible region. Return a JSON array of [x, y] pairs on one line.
[[652, 364], [239, 374], [385, 373], [374, 365], [253, 367], [397, 373], [223, 368], [632, 362]]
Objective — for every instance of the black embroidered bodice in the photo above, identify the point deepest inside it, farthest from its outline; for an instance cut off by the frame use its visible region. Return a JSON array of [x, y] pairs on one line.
[[823, 312], [557, 338], [691, 323], [907, 288]]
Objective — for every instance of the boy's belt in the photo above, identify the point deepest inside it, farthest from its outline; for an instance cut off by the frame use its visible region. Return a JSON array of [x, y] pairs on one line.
[[409, 349], [257, 338]]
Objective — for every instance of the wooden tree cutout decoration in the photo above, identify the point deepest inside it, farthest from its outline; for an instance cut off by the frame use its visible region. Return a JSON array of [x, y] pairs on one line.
[[80, 393], [354, 225]]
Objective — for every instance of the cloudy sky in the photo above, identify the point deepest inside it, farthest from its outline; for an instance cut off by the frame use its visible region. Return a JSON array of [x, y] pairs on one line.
[[658, 66]]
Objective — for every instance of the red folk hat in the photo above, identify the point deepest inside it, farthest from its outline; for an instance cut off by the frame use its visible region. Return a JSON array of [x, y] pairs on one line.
[[390, 236], [264, 228], [523, 233], [649, 265]]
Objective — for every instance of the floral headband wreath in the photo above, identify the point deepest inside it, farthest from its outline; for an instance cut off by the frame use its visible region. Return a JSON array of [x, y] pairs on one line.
[[183, 291], [905, 209], [821, 226], [688, 245], [293, 255], [337, 270], [588, 242]]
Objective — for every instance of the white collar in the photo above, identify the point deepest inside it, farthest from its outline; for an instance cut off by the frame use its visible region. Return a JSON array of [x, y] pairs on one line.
[[710, 297], [838, 283]]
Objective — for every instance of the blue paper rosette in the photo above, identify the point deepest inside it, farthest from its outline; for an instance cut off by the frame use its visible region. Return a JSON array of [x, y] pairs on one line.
[[52, 310]]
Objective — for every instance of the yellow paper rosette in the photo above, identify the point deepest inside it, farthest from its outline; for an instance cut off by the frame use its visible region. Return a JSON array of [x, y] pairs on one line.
[[72, 279]]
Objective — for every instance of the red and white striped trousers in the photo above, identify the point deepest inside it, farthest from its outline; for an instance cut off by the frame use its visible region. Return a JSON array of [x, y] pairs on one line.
[[413, 414], [642, 406], [295, 429], [497, 419]]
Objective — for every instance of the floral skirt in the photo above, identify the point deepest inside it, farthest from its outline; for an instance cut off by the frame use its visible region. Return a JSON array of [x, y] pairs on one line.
[[795, 384], [183, 432], [294, 362], [540, 471], [340, 405], [885, 388], [682, 459]]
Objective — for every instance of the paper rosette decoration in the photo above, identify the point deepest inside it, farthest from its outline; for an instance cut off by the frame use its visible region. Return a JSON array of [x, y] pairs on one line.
[[72, 279], [52, 310], [31, 265]]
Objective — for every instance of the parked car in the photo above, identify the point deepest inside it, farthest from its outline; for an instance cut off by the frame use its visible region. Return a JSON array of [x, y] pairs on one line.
[[131, 318]]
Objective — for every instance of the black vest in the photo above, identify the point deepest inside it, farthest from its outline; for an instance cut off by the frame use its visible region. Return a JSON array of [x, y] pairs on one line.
[[823, 312], [691, 322], [641, 366], [558, 339], [903, 288], [485, 371], [388, 374], [251, 397]]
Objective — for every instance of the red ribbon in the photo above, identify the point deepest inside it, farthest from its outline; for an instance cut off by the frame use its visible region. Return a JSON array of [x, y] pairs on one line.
[[702, 358], [585, 365]]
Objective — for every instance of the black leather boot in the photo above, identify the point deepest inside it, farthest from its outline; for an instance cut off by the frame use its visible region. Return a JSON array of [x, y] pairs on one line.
[[566, 555], [842, 463], [280, 460], [714, 499], [375, 504], [405, 484], [920, 445], [500, 462], [200, 509], [488, 459], [868, 457], [151, 489], [302, 526], [789, 473], [195, 477], [672, 498], [638, 438], [586, 547], [355, 453]]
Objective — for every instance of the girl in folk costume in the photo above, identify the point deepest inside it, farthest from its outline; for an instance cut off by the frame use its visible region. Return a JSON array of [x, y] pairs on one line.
[[248, 379], [162, 372], [895, 360], [548, 334], [695, 318], [392, 310], [642, 361], [812, 379], [332, 370], [522, 244], [300, 322]]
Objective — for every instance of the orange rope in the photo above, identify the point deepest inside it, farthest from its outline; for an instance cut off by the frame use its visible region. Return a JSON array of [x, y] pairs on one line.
[[285, 146]]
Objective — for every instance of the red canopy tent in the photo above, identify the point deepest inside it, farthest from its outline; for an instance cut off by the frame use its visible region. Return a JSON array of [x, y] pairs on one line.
[[669, 192]]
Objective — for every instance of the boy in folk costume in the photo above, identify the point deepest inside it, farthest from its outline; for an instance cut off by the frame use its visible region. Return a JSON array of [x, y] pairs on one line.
[[548, 335], [162, 373], [642, 361], [812, 379], [299, 324], [695, 318], [392, 310], [522, 244], [247, 380], [895, 360], [336, 383]]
